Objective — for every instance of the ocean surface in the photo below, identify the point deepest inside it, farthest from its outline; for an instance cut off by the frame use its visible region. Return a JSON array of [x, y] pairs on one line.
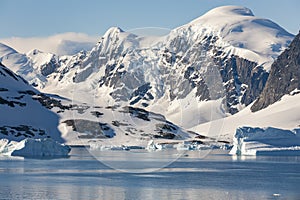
[[139, 175]]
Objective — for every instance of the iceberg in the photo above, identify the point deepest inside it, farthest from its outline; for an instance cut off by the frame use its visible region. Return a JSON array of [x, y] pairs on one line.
[[108, 147], [186, 145], [151, 146], [28, 147], [93, 145], [266, 141]]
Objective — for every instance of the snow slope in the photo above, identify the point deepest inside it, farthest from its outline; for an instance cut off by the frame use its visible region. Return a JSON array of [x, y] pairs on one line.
[[21, 115], [236, 26], [17, 62], [34, 66], [283, 114]]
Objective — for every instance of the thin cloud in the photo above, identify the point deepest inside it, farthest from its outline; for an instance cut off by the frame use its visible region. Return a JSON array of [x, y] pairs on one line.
[[60, 44]]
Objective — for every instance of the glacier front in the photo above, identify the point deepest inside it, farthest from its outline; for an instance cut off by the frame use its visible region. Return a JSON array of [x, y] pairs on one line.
[[266, 141]]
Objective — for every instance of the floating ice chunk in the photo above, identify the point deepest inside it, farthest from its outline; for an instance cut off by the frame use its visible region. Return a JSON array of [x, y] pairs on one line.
[[151, 146], [267, 141], [103, 147], [160, 145], [185, 146], [276, 195], [34, 148], [166, 145]]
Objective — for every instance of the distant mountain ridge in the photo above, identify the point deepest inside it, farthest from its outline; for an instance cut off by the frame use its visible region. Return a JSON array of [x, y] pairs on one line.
[[207, 69]]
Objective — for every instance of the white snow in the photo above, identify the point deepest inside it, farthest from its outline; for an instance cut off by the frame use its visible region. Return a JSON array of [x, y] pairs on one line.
[[39, 58], [33, 148], [283, 114], [244, 34], [267, 141], [14, 60], [21, 65]]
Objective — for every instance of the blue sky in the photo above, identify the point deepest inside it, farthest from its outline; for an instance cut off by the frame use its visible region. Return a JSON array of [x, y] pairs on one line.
[[35, 18]]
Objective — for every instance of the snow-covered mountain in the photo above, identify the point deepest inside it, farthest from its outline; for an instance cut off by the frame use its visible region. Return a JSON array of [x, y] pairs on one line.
[[34, 66], [213, 67], [28, 113], [22, 114], [277, 106]]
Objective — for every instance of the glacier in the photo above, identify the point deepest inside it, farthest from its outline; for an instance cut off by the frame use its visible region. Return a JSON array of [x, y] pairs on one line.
[[34, 148], [266, 141]]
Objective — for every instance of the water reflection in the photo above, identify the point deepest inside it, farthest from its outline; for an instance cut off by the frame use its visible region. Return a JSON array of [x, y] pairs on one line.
[[217, 176], [132, 193]]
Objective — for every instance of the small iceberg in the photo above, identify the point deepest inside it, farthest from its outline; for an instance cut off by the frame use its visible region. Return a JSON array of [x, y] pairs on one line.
[[103, 147], [192, 146], [267, 141], [186, 145], [151, 146], [37, 148]]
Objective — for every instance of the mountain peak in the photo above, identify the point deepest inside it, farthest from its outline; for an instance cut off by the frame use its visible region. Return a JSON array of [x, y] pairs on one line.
[[34, 52], [230, 10], [113, 31], [223, 14], [235, 26]]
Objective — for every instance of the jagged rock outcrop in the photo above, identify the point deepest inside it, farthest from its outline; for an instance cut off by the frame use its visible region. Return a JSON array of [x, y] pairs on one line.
[[243, 80], [284, 76]]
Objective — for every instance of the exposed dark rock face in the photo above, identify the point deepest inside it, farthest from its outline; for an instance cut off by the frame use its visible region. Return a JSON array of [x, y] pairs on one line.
[[11, 103], [22, 131], [165, 130], [141, 93], [97, 113], [243, 81], [49, 68], [137, 112], [284, 76], [90, 129]]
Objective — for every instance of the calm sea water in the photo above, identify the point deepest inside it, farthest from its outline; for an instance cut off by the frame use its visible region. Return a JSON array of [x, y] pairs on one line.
[[217, 176]]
